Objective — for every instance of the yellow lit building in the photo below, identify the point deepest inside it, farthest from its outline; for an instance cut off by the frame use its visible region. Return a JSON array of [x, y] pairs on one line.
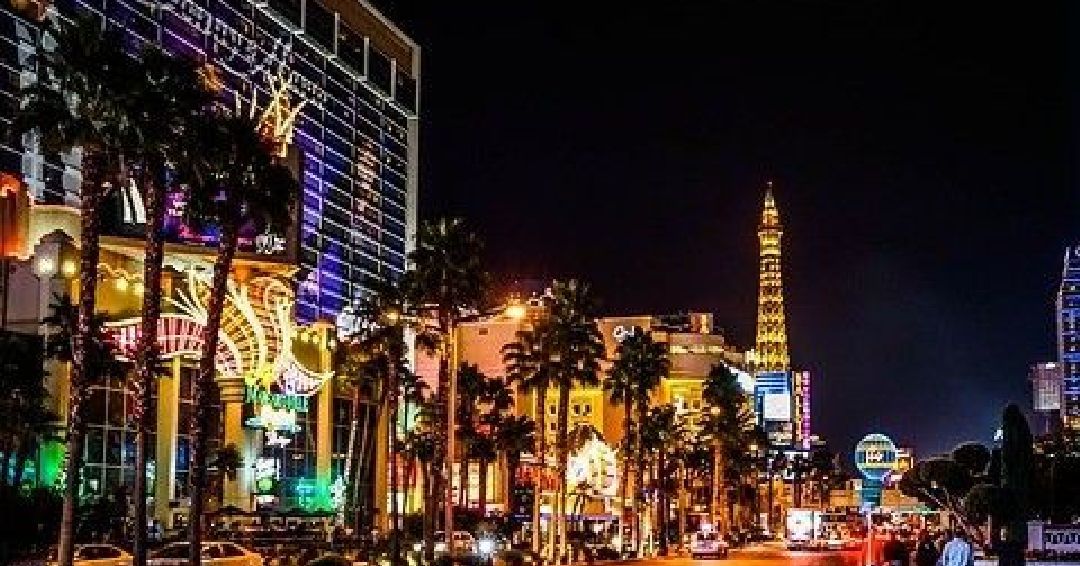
[[694, 347]]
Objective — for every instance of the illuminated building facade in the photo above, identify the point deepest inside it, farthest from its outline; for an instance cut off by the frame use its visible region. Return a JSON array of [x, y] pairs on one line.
[[352, 77], [1068, 335], [694, 346], [771, 351], [1046, 381]]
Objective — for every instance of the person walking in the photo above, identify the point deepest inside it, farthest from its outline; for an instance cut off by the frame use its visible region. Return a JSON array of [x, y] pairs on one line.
[[926, 551], [895, 552], [958, 551]]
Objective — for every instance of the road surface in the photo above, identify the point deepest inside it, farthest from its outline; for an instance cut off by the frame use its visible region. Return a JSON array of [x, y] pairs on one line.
[[766, 556]]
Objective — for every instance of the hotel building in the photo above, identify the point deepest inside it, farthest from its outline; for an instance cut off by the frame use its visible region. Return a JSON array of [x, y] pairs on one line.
[[354, 78]]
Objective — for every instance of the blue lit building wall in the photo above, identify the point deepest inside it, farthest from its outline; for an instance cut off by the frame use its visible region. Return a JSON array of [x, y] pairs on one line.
[[1068, 326], [356, 132]]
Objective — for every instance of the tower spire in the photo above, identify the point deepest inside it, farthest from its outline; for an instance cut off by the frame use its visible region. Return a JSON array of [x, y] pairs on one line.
[[771, 346]]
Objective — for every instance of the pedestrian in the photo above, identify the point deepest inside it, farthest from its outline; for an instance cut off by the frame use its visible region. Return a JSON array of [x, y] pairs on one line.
[[895, 551], [958, 551], [926, 551]]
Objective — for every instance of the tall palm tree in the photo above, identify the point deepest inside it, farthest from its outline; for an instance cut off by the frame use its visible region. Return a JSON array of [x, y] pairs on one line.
[[528, 364], [77, 103], [168, 94], [640, 365], [496, 396], [235, 178], [514, 436], [470, 385], [448, 282], [577, 348], [659, 431], [728, 417]]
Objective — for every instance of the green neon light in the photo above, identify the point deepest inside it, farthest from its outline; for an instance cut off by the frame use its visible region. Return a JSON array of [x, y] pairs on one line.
[[255, 395]]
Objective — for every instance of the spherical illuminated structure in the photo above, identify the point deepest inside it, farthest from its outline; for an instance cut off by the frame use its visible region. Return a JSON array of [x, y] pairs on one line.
[[875, 456]]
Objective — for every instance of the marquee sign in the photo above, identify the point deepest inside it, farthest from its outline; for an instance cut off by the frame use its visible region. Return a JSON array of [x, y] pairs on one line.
[[875, 456], [596, 465], [255, 343]]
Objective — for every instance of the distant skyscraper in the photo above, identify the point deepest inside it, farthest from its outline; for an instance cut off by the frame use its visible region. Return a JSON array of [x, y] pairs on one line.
[[1046, 396], [1068, 334], [772, 349]]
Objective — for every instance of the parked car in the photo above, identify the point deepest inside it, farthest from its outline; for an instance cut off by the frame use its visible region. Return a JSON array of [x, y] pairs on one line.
[[213, 554], [463, 543], [708, 543], [97, 555]]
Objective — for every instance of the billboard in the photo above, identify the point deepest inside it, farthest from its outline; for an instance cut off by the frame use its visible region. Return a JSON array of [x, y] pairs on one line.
[[772, 396]]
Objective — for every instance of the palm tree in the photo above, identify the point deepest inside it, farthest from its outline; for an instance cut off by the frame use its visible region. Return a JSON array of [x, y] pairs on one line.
[[514, 436], [77, 104], [235, 178], [577, 348], [528, 364], [640, 365], [448, 282], [728, 417], [660, 429], [497, 398], [381, 363], [470, 386], [167, 96]]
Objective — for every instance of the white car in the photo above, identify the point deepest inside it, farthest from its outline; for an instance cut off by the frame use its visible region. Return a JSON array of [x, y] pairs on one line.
[[213, 554], [464, 543], [708, 543], [98, 555]]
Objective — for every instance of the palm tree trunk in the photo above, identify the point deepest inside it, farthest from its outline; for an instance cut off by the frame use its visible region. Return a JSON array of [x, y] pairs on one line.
[[395, 533], [441, 496], [624, 481], [639, 484], [148, 350], [463, 467], [541, 463], [350, 473], [564, 454], [714, 499], [88, 259], [662, 499], [204, 381], [481, 495]]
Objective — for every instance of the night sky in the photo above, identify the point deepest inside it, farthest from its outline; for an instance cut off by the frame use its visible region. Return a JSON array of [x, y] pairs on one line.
[[923, 156]]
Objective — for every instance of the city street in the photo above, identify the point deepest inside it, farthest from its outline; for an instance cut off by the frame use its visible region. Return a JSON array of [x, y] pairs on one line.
[[766, 556]]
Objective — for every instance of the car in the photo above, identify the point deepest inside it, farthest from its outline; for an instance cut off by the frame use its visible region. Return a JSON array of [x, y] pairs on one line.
[[213, 554], [708, 543], [463, 543], [97, 555]]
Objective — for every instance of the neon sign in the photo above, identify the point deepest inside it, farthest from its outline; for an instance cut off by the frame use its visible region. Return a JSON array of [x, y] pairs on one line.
[[256, 337], [257, 396]]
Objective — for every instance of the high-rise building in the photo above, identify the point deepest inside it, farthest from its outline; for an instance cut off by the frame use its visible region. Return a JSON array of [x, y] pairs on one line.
[[352, 78], [1068, 335], [1046, 396], [771, 353]]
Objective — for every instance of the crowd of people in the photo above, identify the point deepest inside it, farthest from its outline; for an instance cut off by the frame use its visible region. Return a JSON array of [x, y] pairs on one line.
[[949, 548]]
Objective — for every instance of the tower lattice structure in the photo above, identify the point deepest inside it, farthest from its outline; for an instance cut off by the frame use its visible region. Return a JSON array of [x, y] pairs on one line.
[[772, 346]]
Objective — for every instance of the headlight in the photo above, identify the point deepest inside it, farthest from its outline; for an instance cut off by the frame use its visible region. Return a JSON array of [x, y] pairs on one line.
[[486, 545]]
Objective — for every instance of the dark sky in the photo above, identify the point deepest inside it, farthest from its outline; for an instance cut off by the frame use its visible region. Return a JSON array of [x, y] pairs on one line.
[[923, 155]]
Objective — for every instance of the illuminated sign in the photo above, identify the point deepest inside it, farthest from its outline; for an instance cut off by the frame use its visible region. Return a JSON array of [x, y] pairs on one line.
[[257, 330], [594, 465], [875, 457], [258, 396]]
